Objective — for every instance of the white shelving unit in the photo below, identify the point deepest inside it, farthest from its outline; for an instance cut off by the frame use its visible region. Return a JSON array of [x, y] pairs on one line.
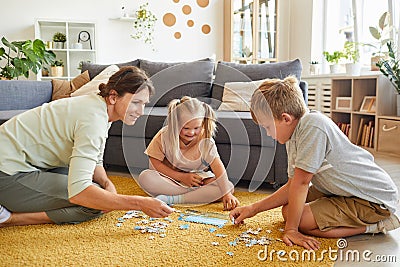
[[45, 29]]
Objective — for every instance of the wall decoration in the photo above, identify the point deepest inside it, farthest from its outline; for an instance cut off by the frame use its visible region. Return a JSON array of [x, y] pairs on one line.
[[186, 9], [170, 19], [203, 3], [177, 35], [206, 29], [143, 24]]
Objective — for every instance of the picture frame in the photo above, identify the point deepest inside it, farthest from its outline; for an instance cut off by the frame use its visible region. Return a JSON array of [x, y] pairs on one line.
[[343, 103], [368, 104]]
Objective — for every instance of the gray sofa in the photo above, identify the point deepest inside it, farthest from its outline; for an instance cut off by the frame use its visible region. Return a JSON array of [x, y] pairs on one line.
[[246, 151]]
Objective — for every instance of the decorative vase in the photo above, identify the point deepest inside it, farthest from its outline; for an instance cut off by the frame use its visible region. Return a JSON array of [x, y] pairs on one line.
[[58, 45], [57, 71], [398, 104], [353, 69]]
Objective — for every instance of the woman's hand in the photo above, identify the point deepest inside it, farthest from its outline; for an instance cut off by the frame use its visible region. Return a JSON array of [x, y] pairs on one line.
[[155, 208], [230, 201], [190, 179], [241, 213]]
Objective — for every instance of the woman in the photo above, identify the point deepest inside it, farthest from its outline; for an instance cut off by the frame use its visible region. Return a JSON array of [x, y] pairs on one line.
[[37, 146]]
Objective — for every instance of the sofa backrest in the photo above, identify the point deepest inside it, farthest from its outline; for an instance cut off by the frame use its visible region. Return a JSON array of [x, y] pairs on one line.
[[233, 72], [22, 95], [174, 80]]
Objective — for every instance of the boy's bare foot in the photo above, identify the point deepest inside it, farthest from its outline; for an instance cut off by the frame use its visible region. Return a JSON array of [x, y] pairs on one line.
[[390, 223]]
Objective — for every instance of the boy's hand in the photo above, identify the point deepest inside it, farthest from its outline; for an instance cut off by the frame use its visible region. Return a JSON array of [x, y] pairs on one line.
[[291, 237], [191, 179], [230, 201], [241, 213]]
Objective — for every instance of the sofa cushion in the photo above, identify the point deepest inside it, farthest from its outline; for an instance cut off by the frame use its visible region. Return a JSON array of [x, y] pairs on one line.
[[95, 69], [233, 72], [64, 88], [237, 95], [174, 80], [93, 86], [20, 95]]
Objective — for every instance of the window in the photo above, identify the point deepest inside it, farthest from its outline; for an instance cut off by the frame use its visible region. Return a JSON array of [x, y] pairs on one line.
[[350, 20]]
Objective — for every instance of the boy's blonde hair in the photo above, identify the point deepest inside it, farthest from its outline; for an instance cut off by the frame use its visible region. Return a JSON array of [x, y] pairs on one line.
[[275, 97], [188, 106]]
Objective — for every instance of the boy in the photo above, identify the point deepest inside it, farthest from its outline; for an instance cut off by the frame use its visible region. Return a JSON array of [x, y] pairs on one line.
[[349, 194]]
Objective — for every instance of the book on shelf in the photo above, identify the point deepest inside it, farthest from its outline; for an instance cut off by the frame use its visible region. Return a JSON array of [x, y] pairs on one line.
[[365, 133]]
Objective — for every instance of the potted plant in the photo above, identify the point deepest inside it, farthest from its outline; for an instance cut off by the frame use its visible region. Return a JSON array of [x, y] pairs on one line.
[[333, 59], [57, 68], [314, 67], [59, 39], [143, 24], [390, 67], [382, 35], [23, 56], [351, 52]]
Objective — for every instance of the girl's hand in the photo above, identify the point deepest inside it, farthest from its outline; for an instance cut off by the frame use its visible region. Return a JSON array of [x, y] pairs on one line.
[[230, 201], [191, 179]]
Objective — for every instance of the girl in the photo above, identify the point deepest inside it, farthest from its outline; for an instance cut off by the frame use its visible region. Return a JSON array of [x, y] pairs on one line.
[[180, 155]]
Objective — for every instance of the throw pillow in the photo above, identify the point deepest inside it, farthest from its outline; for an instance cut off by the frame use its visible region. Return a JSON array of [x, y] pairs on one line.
[[237, 95], [233, 72], [63, 88], [95, 69], [174, 80], [93, 86]]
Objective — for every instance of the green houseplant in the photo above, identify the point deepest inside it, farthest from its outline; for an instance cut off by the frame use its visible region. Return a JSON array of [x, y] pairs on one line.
[[381, 34], [23, 56], [143, 24], [390, 67], [333, 59], [59, 39], [351, 53]]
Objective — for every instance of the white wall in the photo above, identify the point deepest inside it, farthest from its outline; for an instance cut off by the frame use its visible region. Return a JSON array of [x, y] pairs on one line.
[[114, 43]]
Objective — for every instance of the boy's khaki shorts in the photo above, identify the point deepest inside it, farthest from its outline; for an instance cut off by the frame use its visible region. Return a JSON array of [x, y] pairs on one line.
[[338, 211]]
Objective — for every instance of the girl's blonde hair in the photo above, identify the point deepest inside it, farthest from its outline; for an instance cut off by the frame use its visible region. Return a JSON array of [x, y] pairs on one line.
[[275, 97], [189, 106]]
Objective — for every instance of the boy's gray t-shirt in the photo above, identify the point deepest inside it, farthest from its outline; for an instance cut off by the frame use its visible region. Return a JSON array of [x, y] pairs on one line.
[[340, 168]]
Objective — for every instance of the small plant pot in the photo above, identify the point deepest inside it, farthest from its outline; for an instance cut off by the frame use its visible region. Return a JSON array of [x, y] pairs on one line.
[[375, 60], [353, 69], [58, 45], [57, 71], [314, 69], [334, 68], [45, 73]]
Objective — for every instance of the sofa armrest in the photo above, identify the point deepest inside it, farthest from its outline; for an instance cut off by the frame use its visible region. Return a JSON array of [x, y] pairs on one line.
[[304, 89]]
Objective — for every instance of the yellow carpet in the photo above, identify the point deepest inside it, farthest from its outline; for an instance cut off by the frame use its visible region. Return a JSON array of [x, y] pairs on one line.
[[101, 243]]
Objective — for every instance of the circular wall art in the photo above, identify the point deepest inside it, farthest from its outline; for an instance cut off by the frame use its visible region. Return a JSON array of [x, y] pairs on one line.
[[206, 29], [203, 3], [169, 19], [186, 9]]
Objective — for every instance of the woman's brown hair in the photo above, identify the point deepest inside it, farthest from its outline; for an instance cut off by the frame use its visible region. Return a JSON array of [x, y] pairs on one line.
[[128, 79]]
